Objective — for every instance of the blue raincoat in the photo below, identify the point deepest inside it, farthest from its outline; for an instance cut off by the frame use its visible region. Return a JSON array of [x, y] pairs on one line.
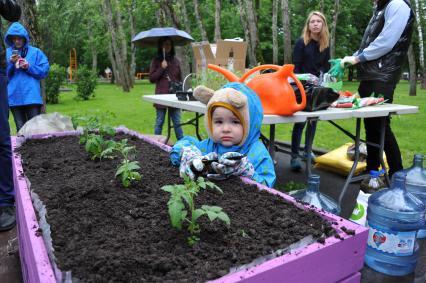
[[256, 152], [24, 85]]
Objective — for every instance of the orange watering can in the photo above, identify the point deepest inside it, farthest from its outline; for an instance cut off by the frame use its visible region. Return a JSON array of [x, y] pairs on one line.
[[273, 89]]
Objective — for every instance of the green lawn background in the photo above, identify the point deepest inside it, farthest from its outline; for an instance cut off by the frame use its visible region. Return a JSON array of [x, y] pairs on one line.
[[139, 115]]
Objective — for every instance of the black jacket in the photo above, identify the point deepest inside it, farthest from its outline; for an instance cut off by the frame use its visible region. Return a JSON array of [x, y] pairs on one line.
[[11, 11], [388, 67]]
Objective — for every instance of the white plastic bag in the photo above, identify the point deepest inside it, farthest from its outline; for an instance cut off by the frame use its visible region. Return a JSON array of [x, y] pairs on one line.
[[46, 123], [359, 215]]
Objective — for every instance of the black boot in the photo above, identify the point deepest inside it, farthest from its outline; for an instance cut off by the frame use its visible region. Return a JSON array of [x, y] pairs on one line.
[[7, 218]]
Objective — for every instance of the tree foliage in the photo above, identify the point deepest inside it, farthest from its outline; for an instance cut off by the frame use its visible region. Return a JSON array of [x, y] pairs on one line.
[[80, 24]]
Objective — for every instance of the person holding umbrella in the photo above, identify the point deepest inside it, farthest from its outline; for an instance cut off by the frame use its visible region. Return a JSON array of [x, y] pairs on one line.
[[165, 68]]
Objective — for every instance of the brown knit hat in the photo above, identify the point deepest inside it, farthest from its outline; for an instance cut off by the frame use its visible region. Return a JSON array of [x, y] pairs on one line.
[[228, 98]]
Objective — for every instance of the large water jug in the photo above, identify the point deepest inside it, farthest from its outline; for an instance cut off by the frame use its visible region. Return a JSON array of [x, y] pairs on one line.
[[313, 196], [416, 183], [394, 216]]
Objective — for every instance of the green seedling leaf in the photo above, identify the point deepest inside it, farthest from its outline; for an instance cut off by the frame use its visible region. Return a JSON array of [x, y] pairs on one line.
[[224, 217]]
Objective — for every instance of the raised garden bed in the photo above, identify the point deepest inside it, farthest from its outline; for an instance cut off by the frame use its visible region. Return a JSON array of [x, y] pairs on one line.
[[103, 232]]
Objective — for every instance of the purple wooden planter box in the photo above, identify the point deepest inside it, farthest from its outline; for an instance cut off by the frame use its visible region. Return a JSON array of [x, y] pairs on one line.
[[335, 261]]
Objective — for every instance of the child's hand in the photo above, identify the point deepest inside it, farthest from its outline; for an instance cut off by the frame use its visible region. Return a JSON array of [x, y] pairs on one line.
[[191, 163], [231, 164]]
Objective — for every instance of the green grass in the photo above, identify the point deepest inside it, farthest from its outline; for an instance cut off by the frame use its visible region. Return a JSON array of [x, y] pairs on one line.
[[139, 115]]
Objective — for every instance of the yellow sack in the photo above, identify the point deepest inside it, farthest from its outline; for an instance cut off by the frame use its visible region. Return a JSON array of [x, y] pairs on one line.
[[337, 161]]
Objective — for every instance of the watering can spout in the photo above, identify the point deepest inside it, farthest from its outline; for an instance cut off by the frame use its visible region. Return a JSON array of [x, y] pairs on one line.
[[226, 73]]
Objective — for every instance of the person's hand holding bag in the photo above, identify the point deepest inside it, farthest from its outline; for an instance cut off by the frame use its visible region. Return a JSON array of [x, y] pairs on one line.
[[231, 164], [351, 60]]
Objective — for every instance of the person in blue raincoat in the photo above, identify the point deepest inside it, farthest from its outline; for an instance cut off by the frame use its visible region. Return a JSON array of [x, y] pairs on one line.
[[233, 121], [27, 65]]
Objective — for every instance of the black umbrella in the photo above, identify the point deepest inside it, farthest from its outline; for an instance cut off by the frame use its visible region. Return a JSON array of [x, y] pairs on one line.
[[150, 37]]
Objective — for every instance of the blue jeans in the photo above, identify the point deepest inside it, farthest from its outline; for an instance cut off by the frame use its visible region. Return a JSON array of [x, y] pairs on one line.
[[296, 137], [7, 193], [24, 113], [174, 115]]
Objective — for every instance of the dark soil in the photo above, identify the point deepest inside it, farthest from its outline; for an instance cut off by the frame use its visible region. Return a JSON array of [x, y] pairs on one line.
[[104, 232]]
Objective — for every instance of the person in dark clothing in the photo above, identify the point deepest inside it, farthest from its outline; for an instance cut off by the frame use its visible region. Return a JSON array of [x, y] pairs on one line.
[[311, 54], [11, 11], [165, 67], [379, 59]]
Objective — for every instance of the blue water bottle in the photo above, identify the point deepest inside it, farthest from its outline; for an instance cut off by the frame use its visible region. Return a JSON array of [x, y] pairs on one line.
[[415, 183], [394, 216], [313, 196]]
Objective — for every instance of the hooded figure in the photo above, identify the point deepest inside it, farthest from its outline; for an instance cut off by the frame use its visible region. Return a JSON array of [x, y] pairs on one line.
[[246, 106], [27, 65]]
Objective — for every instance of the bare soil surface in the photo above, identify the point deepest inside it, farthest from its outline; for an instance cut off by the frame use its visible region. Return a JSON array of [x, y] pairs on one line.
[[104, 232]]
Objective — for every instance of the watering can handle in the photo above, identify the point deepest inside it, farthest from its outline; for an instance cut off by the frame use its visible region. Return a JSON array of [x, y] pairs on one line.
[[258, 68], [226, 73], [302, 104]]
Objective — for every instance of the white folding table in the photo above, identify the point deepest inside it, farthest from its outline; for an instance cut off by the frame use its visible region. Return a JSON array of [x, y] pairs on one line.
[[331, 114]]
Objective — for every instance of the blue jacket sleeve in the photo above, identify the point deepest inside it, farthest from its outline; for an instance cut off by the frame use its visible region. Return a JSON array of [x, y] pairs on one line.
[[10, 69], [176, 152], [40, 69], [263, 165]]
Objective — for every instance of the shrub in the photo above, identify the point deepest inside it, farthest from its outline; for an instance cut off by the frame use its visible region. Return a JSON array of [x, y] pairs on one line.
[[86, 82], [57, 75]]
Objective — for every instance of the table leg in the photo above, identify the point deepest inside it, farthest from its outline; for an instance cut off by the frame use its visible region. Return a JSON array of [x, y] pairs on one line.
[[308, 147], [272, 141], [197, 126], [356, 159], [169, 126], [381, 148]]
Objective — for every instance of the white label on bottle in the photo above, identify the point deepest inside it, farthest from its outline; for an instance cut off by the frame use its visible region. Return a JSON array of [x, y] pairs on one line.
[[398, 243]]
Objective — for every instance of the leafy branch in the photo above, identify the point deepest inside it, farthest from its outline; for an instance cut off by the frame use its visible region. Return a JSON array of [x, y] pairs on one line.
[[182, 209]]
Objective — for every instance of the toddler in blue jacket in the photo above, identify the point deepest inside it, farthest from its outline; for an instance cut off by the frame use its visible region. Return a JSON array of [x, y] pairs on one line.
[[233, 121]]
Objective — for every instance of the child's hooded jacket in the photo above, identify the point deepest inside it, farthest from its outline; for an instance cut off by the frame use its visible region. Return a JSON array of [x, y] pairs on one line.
[[256, 152], [24, 85]]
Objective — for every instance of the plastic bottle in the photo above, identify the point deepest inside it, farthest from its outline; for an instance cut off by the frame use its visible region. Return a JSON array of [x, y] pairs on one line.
[[416, 184], [394, 216], [416, 179], [231, 60], [313, 196], [373, 183]]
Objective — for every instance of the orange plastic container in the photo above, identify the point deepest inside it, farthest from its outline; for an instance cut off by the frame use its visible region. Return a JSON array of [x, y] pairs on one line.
[[273, 89]]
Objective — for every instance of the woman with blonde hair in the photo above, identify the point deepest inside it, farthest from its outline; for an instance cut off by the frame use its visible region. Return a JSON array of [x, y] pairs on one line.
[[310, 55]]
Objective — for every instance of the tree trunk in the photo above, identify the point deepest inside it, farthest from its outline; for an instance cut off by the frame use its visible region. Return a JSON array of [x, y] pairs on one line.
[[274, 32], [322, 6], [120, 67], [418, 8], [184, 15], [115, 73], [252, 25], [287, 32], [167, 7], [250, 51], [181, 52], [413, 72], [217, 34], [123, 50], [131, 10], [29, 20], [333, 29], [199, 20], [93, 49]]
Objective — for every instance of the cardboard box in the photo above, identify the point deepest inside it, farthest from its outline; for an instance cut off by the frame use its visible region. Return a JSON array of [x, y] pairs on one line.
[[222, 53]]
